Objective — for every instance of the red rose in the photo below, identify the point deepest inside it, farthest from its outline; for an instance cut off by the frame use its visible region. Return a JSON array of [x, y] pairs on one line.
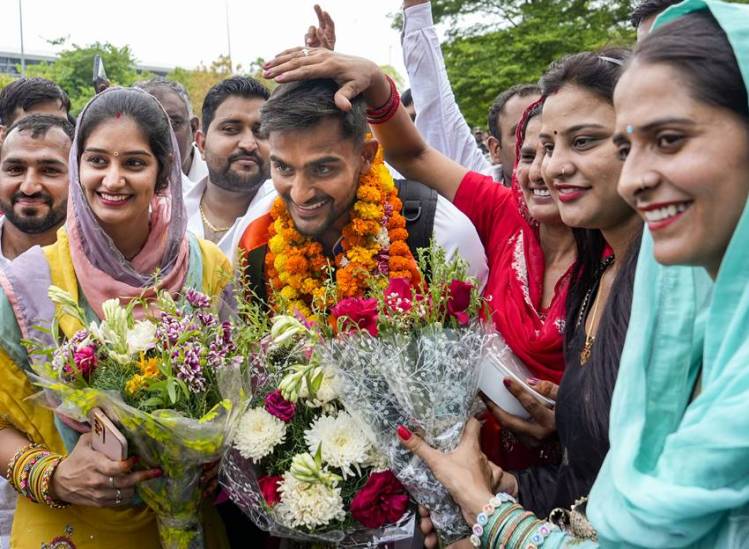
[[269, 489], [459, 300], [278, 406], [382, 500], [399, 295], [357, 313]]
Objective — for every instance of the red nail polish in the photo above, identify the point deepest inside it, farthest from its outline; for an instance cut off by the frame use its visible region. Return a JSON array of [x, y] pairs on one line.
[[507, 383], [532, 381], [404, 433], [157, 473]]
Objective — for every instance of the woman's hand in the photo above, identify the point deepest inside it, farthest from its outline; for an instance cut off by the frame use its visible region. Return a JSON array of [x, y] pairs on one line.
[[543, 423], [465, 472], [322, 36], [87, 477], [354, 74]]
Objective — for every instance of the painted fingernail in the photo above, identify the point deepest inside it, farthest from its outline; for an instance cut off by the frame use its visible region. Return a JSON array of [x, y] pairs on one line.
[[157, 473], [532, 381], [404, 433], [507, 383]]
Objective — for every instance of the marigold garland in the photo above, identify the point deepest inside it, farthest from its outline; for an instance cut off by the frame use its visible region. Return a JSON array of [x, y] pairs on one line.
[[374, 245]]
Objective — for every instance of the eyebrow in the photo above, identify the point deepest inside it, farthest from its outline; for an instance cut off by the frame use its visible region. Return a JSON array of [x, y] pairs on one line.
[[620, 138], [129, 153], [322, 160], [43, 161], [577, 128]]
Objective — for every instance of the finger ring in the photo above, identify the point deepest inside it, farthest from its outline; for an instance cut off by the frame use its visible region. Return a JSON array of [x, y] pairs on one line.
[[305, 51], [111, 482], [118, 497]]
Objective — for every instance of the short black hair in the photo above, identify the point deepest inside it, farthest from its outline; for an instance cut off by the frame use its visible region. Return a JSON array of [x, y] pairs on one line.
[[40, 124], [649, 8], [407, 98], [304, 104], [242, 86], [519, 90], [597, 72], [27, 92], [161, 83]]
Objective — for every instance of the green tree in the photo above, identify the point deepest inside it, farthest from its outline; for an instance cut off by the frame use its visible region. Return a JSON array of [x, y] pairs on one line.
[[5, 79], [493, 44], [73, 69]]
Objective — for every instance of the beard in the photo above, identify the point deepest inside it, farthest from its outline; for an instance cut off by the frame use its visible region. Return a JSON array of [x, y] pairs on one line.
[[28, 221], [333, 215], [224, 177]]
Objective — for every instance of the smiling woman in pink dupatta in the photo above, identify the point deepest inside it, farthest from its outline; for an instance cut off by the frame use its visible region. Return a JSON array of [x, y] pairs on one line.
[[125, 231]]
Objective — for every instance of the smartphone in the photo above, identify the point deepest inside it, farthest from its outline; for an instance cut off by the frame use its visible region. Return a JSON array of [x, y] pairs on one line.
[[107, 439]]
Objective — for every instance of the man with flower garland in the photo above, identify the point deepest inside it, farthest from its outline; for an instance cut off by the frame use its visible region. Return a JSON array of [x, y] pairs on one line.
[[337, 203]]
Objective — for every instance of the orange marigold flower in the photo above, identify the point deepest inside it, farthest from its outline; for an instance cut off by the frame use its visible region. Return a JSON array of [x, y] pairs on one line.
[[400, 248], [397, 222], [369, 193], [398, 263], [297, 264], [398, 234]]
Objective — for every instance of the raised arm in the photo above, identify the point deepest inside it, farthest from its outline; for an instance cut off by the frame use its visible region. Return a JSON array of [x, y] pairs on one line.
[[404, 147], [438, 117]]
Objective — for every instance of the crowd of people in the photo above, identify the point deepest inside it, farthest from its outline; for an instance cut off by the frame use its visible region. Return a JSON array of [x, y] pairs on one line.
[[604, 217]]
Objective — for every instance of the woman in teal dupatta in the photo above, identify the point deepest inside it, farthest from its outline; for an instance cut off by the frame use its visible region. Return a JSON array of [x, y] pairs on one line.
[[677, 472]]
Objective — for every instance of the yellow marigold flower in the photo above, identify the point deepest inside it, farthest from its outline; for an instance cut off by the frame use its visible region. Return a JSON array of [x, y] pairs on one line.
[[369, 211], [280, 262], [149, 367], [289, 293], [135, 384], [276, 244], [369, 193], [284, 277]]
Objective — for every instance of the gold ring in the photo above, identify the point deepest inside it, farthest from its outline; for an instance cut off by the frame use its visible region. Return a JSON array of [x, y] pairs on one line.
[[305, 51]]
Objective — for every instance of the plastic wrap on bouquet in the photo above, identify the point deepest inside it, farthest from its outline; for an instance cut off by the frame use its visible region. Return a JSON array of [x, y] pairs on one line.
[[426, 380], [240, 479], [180, 446]]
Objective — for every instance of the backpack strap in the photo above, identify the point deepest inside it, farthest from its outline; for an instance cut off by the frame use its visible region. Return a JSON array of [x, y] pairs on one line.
[[419, 208]]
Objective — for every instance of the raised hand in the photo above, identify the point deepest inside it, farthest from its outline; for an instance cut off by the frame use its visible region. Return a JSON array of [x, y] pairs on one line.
[[322, 36]]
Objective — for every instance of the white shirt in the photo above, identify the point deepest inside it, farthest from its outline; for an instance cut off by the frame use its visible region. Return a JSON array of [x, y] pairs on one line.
[[198, 171], [260, 204], [452, 230], [438, 117]]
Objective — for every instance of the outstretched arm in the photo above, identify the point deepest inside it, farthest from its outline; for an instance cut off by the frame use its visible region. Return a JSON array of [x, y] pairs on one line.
[[438, 117], [404, 147]]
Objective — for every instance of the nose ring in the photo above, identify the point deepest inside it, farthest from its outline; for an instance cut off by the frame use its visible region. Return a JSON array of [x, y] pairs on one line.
[[122, 180], [563, 172]]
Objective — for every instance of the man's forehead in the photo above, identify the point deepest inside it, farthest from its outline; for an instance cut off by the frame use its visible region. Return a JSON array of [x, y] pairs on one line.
[[20, 145], [53, 107], [171, 101], [322, 141], [236, 107]]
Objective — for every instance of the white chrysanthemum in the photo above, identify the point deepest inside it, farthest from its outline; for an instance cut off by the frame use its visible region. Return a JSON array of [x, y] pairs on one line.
[[258, 433], [308, 505], [343, 444], [327, 393]]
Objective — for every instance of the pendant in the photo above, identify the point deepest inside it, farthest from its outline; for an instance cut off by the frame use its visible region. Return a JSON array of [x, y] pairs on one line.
[[585, 353]]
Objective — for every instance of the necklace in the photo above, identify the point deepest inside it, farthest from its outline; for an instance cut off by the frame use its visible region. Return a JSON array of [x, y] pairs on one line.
[[210, 225], [590, 339]]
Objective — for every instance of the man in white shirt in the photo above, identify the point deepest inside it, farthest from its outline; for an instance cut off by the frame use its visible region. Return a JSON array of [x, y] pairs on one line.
[[33, 183], [438, 116], [236, 155], [176, 102], [316, 159]]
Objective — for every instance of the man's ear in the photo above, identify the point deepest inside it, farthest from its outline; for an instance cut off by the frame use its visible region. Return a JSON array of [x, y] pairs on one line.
[[495, 149], [368, 153], [194, 125], [200, 142]]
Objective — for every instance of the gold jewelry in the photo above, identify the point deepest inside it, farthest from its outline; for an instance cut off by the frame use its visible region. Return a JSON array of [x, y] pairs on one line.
[[210, 225], [116, 154], [591, 339]]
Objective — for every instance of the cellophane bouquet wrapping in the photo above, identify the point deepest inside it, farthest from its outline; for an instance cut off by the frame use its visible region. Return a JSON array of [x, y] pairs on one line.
[[413, 358], [173, 383], [300, 466]]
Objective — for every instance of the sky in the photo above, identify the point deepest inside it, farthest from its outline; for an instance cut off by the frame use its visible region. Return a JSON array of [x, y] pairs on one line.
[[187, 32]]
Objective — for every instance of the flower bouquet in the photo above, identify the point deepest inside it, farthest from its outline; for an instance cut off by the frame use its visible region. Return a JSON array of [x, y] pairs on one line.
[[411, 355], [302, 467], [172, 382]]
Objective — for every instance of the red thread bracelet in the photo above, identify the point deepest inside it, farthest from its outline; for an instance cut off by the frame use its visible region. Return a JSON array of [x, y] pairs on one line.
[[382, 114]]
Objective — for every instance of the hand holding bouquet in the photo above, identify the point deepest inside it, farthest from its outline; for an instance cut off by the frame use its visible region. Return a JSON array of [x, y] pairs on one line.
[[172, 382]]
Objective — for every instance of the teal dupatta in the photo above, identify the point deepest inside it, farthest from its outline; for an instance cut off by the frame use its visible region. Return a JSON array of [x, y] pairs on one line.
[[677, 473]]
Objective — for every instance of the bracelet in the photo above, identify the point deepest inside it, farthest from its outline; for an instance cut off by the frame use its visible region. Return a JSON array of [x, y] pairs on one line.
[[512, 524], [482, 519], [538, 537], [527, 524], [46, 481], [500, 521], [21, 451], [385, 112]]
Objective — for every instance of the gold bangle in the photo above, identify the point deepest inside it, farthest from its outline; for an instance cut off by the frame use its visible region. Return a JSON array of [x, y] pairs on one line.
[[21, 451], [499, 525], [46, 483], [514, 522]]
